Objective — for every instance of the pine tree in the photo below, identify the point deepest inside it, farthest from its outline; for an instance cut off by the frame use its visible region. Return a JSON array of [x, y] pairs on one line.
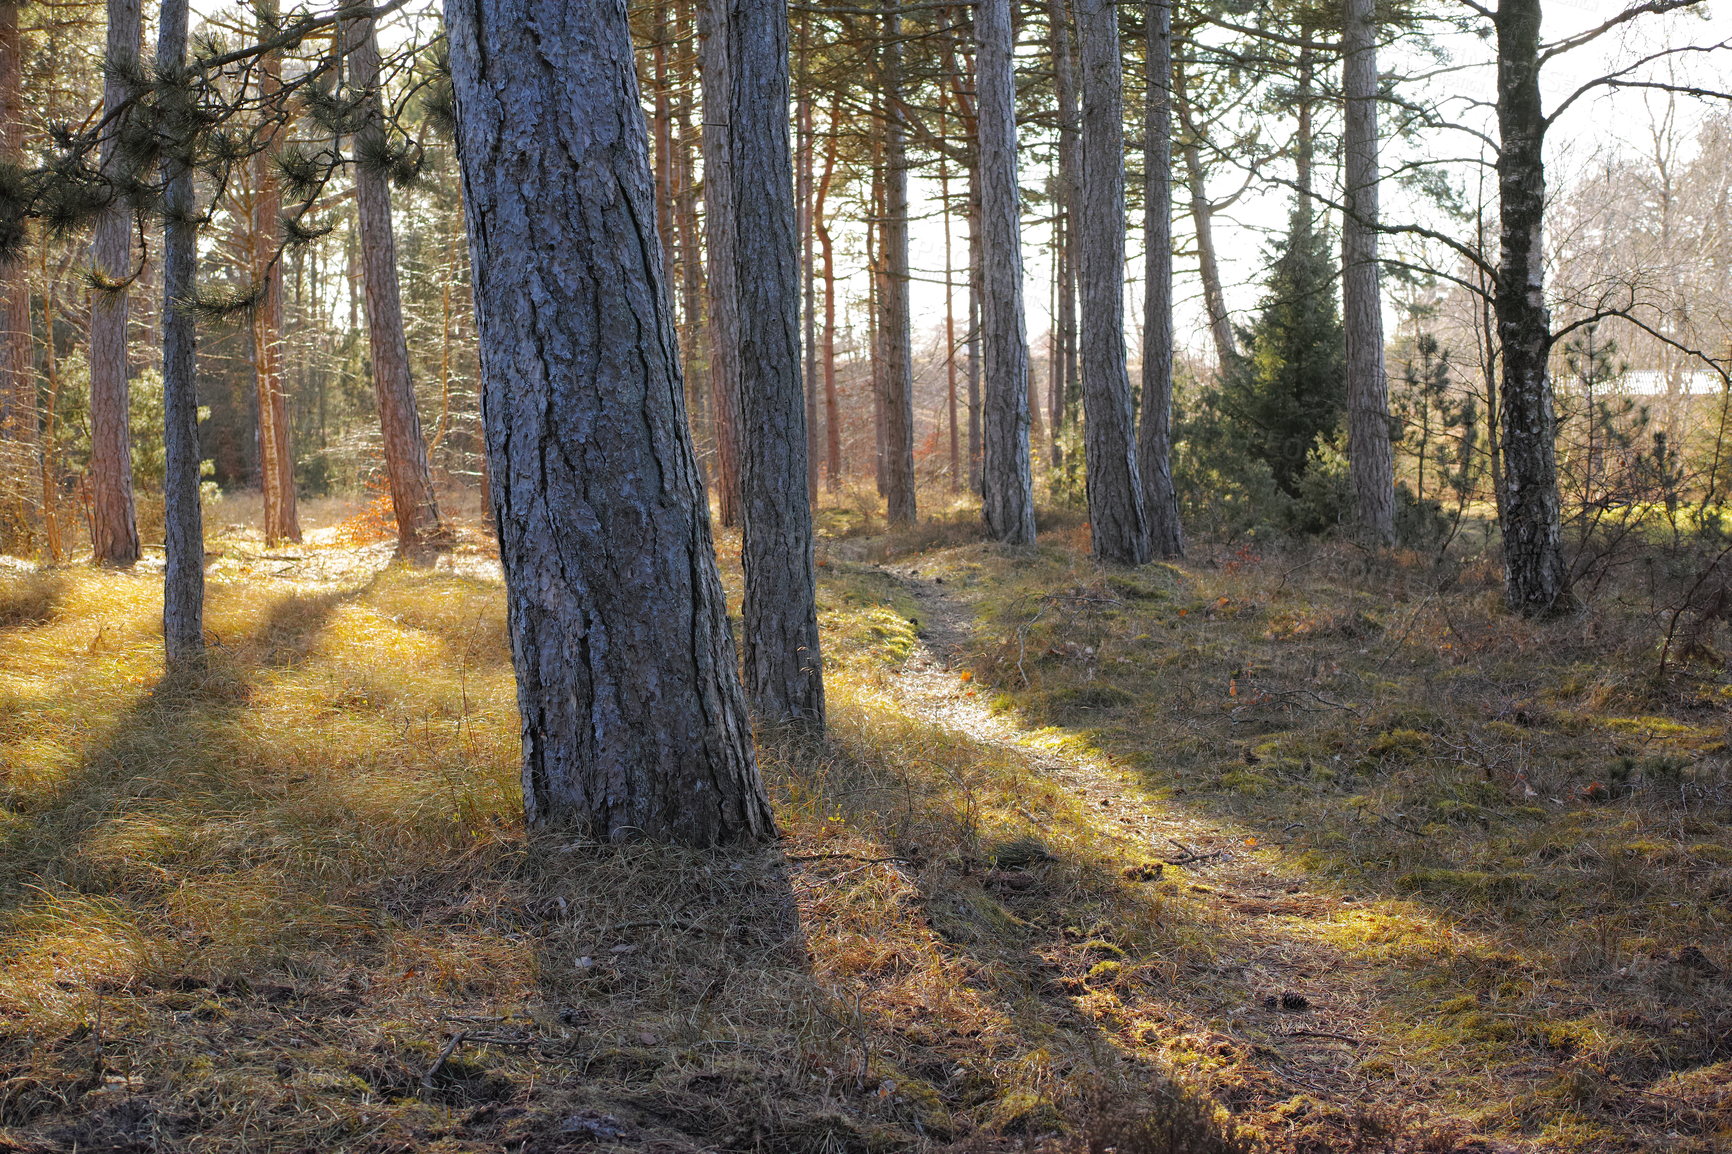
[[1287, 389]]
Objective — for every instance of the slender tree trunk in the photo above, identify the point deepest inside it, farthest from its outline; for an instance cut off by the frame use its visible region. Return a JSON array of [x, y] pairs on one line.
[[276, 457], [1203, 220], [1117, 517], [1007, 488], [974, 278], [1370, 458], [114, 522], [809, 303], [413, 500], [832, 398], [1155, 433], [693, 329], [949, 321], [1536, 579], [783, 673], [1064, 263], [20, 443], [898, 375], [634, 723], [183, 520], [724, 324]]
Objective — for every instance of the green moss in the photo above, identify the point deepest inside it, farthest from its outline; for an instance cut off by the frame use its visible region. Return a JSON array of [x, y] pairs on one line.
[[1464, 883]]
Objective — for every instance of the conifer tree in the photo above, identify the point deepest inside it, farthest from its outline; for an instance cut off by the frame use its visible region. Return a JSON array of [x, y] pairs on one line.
[[1286, 390]]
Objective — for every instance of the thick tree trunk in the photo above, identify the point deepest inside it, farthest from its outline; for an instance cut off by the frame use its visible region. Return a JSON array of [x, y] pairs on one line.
[[634, 723], [1007, 488], [898, 375], [413, 501], [1536, 579], [784, 679], [276, 457], [723, 324], [1370, 459], [1117, 518], [1203, 221], [114, 522], [183, 520], [1155, 433]]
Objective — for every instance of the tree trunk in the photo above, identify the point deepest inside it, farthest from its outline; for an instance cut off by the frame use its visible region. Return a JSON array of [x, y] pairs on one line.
[[898, 375], [413, 501], [20, 443], [1203, 220], [1007, 488], [1115, 487], [183, 521], [1536, 580], [1155, 434], [723, 323], [784, 680], [826, 247], [809, 271], [1060, 374], [1370, 461], [276, 458], [114, 522], [634, 723]]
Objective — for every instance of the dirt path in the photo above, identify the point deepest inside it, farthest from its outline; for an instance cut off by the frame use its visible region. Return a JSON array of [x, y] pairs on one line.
[[1309, 1016]]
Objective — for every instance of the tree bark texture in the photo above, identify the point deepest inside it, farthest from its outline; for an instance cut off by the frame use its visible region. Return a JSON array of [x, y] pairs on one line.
[[784, 679], [1535, 577], [276, 456], [898, 376], [723, 323], [634, 722], [1370, 458], [114, 521], [1117, 519], [1155, 433], [413, 501], [183, 520], [1006, 483]]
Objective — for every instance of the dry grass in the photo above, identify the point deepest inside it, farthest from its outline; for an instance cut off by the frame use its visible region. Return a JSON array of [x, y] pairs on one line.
[[292, 907], [1534, 829]]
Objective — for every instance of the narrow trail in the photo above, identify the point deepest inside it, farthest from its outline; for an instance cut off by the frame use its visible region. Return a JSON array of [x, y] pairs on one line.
[[1310, 1016]]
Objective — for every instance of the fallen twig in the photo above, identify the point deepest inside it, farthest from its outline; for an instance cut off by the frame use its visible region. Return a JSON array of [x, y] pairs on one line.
[[444, 1057]]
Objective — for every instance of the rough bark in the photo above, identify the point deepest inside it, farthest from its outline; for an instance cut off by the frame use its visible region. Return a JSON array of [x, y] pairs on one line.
[[1007, 486], [114, 521], [1203, 221], [1155, 432], [1118, 522], [413, 500], [1370, 459], [276, 457], [1536, 580], [897, 379], [183, 520], [634, 723], [722, 322], [784, 679]]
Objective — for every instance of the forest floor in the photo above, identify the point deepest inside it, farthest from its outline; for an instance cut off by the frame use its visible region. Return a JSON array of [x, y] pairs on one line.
[[1302, 853]]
